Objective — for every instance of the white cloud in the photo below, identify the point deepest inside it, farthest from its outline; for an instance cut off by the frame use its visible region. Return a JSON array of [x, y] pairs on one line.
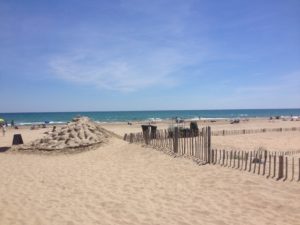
[[132, 73], [129, 55]]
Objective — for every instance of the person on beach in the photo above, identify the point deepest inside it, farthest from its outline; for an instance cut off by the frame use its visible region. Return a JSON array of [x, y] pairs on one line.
[[12, 123], [3, 129]]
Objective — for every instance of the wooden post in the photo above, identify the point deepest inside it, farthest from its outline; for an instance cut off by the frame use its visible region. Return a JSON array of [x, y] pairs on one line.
[[255, 159], [265, 162], [246, 156], [286, 169], [292, 169], [208, 143], [147, 139], [200, 145], [125, 137], [238, 160], [242, 166], [250, 161], [299, 170], [223, 158], [280, 169], [260, 157], [204, 143], [234, 159], [270, 163], [212, 156], [226, 163], [230, 158], [274, 169], [192, 143], [131, 138], [184, 145], [175, 144]]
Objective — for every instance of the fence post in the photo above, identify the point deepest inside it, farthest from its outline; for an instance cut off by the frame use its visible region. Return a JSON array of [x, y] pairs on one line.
[[286, 168], [242, 166], [274, 169], [265, 156], [246, 156], [280, 168], [230, 158], [259, 162], [223, 163], [175, 144], [233, 159], [250, 161], [292, 169], [299, 170], [208, 143], [146, 136], [226, 164], [238, 160], [270, 163], [255, 160], [131, 138]]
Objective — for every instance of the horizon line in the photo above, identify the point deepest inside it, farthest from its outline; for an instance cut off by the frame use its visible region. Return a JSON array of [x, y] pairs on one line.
[[152, 110]]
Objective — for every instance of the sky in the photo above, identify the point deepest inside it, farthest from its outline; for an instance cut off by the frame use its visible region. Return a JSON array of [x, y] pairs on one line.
[[98, 55]]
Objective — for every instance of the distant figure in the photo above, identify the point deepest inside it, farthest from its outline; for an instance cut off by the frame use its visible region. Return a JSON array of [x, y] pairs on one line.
[[3, 129], [6, 123], [54, 128], [12, 123]]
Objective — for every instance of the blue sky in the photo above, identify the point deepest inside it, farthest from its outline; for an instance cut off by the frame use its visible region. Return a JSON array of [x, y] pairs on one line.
[[140, 55]]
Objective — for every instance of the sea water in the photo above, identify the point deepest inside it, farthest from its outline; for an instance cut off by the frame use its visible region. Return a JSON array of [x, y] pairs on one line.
[[125, 116]]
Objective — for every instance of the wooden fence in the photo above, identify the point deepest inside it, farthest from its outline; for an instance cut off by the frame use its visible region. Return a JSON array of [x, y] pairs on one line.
[[251, 131], [193, 144], [276, 165]]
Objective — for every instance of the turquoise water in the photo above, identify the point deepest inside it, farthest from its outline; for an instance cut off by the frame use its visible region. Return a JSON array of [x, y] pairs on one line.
[[123, 116]]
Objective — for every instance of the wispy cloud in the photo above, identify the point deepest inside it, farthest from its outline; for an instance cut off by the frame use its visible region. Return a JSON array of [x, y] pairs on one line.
[[123, 74], [129, 56]]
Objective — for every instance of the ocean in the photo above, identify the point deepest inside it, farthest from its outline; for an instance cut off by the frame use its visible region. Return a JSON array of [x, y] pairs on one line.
[[124, 116]]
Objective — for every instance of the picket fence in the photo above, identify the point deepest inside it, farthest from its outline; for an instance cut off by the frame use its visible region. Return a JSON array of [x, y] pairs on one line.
[[252, 131], [276, 165]]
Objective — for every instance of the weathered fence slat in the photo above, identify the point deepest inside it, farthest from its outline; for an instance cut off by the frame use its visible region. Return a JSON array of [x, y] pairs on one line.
[[280, 167], [292, 169]]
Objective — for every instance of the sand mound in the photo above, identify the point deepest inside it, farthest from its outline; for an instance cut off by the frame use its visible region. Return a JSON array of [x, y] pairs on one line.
[[81, 132]]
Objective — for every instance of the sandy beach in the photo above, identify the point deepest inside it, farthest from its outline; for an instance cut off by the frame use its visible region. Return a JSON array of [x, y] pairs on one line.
[[122, 183]]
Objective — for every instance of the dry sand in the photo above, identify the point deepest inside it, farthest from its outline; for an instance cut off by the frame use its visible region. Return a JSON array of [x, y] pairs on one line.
[[123, 183]]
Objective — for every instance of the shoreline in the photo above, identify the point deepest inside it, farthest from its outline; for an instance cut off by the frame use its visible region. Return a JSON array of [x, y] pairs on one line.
[[168, 120]]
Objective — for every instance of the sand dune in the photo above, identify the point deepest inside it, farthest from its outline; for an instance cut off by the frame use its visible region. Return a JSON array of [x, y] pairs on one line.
[[123, 183]]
